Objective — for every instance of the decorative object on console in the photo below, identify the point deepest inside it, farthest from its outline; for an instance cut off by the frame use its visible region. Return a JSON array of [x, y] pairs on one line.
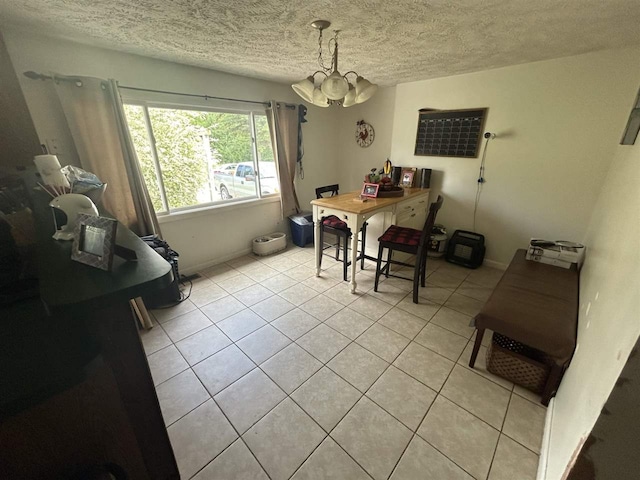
[[365, 134], [388, 167], [94, 241], [396, 175], [425, 179], [72, 204], [408, 177], [335, 89], [391, 192], [370, 190], [450, 133], [372, 177]]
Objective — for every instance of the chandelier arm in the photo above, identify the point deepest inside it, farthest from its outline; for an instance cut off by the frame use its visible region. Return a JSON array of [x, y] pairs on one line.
[[351, 71]]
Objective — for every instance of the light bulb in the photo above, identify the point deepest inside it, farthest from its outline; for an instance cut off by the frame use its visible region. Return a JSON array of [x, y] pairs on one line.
[[335, 86]]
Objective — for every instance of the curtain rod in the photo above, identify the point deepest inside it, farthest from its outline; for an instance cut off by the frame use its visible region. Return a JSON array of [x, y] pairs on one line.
[[40, 76]]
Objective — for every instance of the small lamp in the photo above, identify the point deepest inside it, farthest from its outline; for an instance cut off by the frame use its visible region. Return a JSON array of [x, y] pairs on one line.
[[364, 89], [350, 97], [320, 99], [305, 88]]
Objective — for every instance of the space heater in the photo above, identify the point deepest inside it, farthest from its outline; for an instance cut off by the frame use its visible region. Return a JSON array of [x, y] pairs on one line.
[[466, 249]]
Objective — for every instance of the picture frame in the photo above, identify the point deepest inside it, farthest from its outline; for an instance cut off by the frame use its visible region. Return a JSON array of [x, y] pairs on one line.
[[408, 177], [94, 241], [370, 190]]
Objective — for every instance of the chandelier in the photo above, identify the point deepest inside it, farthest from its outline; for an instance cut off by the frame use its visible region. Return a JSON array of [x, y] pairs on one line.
[[335, 88]]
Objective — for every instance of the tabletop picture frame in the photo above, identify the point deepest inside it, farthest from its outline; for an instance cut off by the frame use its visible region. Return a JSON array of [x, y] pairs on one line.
[[94, 241], [408, 177], [370, 190]]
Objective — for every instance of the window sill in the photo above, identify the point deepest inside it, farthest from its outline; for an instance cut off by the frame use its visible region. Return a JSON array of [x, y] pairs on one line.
[[211, 209]]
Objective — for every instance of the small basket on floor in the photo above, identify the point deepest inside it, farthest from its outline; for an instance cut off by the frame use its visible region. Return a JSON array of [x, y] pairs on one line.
[[518, 363]]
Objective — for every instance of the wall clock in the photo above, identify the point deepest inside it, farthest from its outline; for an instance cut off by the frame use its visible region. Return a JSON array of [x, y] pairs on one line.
[[364, 134]]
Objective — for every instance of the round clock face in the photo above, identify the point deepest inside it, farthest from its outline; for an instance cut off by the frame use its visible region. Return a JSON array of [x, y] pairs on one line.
[[364, 134]]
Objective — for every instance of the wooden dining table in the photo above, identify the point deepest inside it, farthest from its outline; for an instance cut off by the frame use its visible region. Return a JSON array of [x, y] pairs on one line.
[[349, 208]]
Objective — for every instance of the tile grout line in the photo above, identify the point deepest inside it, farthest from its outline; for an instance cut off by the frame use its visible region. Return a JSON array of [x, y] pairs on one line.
[[392, 305], [425, 416]]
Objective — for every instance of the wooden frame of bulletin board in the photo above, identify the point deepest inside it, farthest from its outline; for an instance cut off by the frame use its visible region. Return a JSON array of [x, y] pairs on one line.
[[450, 133]]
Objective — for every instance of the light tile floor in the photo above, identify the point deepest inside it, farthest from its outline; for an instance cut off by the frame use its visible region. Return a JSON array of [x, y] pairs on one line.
[[269, 372]]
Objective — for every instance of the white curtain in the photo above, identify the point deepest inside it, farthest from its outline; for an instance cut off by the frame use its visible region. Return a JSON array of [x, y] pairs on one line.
[[283, 125], [93, 109]]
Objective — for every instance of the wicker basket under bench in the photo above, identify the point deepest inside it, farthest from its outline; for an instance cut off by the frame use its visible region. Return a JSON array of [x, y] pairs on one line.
[[518, 363], [533, 313]]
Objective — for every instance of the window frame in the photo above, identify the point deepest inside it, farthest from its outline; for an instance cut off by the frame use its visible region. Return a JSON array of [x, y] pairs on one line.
[[259, 197]]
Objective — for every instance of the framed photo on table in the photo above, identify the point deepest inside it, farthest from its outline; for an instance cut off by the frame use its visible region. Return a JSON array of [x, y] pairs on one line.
[[94, 241], [370, 190], [408, 177]]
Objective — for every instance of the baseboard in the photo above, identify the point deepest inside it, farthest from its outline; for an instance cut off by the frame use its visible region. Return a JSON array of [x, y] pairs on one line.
[[494, 264], [201, 266], [546, 440]]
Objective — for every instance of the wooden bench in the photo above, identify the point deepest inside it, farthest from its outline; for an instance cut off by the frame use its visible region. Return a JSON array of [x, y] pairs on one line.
[[537, 305]]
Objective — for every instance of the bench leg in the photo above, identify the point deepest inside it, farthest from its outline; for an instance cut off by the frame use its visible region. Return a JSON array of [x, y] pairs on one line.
[[476, 346], [552, 384]]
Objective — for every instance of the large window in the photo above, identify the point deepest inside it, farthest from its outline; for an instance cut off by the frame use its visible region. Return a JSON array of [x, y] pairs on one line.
[[191, 158]]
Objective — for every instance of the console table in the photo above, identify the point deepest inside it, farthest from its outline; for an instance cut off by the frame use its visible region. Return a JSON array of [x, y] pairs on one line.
[[409, 210]]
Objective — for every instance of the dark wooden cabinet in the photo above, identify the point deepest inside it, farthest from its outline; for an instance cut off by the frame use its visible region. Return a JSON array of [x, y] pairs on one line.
[[75, 386]]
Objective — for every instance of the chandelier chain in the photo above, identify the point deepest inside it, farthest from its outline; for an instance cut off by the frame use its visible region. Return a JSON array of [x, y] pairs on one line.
[[320, 59]]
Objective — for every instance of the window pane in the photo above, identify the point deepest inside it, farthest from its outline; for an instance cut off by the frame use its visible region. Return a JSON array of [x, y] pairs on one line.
[[204, 156], [268, 177], [138, 129], [232, 153], [182, 145]]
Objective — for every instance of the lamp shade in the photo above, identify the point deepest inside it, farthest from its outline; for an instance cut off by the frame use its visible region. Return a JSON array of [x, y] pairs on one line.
[[350, 97], [335, 86], [364, 89], [320, 99], [305, 88]]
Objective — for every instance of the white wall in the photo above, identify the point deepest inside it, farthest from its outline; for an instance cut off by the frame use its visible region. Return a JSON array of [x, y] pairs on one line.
[[557, 122], [556, 171], [609, 320], [357, 161], [201, 239]]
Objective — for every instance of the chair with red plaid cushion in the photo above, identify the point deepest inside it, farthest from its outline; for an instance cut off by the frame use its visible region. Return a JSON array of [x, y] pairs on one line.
[[408, 240], [337, 227]]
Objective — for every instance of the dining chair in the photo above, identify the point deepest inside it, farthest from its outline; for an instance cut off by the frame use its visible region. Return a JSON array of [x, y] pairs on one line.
[[333, 225], [407, 240]]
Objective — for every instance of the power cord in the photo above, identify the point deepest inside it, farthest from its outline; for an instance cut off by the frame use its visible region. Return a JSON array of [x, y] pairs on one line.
[[481, 181]]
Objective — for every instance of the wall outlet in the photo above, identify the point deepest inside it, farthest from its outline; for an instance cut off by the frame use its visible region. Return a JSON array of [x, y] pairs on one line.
[[53, 145]]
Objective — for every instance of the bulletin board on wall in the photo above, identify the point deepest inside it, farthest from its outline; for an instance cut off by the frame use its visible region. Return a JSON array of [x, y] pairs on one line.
[[450, 133]]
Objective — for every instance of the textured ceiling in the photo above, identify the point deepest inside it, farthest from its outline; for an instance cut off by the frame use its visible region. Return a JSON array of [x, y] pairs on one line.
[[387, 41]]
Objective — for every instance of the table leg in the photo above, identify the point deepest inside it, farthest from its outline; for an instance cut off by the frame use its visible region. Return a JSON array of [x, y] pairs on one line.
[[476, 346], [552, 384], [354, 260], [317, 225]]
